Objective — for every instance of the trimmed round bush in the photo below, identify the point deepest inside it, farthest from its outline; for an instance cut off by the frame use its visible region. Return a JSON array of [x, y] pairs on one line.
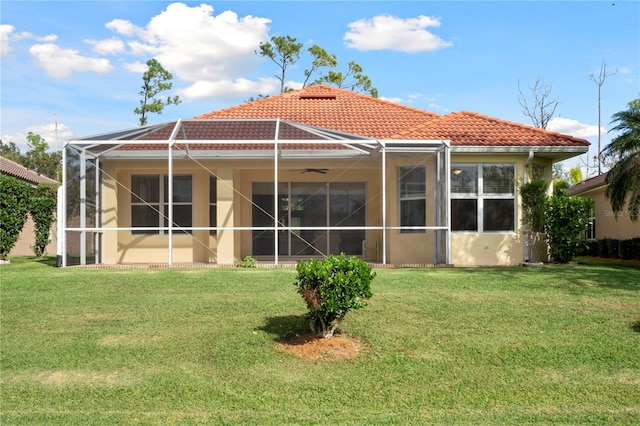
[[331, 287]]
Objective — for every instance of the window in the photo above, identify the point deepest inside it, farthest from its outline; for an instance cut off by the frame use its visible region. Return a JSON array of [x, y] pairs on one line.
[[483, 197], [150, 205], [412, 198]]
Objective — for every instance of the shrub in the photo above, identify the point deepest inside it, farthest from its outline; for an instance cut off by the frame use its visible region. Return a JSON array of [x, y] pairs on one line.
[[534, 197], [248, 262], [627, 250], [14, 206], [332, 287], [565, 221], [613, 248], [41, 207]]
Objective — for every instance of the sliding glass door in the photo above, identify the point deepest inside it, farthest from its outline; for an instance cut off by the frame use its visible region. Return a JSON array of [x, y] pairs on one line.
[[302, 206]]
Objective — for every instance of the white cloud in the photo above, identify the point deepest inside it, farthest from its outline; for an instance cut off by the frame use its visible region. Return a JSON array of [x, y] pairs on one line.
[[573, 127], [121, 26], [48, 38], [5, 31], [205, 50], [54, 135], [229, 88], [111, 46], [386, 32], [136, 67], [61, 63], [394, 100], [295, 85]]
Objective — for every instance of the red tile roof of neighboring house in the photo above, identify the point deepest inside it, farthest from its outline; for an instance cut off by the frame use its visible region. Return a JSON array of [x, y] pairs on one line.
[[346, 111], [14, 169]]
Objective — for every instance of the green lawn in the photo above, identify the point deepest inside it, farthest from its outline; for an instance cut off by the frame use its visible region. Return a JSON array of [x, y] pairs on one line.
[[557, 344]]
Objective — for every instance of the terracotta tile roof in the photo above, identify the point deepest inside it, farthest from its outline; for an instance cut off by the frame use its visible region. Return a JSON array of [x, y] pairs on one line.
[[332, 108], [14, 169], [472, 129], [351, 112]]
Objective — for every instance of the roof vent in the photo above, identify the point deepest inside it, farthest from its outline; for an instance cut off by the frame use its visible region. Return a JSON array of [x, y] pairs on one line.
[[327, 96]]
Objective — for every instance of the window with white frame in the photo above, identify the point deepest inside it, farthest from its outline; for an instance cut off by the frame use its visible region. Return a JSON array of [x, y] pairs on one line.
[[483, 197], [150, 202], [412, 198]]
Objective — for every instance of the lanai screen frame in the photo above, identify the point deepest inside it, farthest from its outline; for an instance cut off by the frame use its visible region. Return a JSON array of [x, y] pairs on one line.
[[95, 146]]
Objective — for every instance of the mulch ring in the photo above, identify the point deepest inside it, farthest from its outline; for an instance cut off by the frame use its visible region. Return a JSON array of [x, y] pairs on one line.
[[309, 346]]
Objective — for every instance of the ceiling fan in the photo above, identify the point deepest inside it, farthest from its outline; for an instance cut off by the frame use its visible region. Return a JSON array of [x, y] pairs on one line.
[[320, 171]]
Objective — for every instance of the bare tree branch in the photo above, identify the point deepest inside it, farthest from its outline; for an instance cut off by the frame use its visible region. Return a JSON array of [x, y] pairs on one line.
[[543, 108]]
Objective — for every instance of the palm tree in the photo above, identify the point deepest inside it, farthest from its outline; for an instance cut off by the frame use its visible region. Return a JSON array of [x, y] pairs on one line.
[[623, 179]]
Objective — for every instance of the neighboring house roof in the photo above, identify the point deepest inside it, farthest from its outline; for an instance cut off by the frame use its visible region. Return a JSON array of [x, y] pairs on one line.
[[14, 169], [588, 185], [338, 109]]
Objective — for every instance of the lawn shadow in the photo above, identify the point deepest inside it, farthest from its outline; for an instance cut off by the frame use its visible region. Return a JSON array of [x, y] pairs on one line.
[[47, 260], [580, 277], [286, 328], [636, 327]]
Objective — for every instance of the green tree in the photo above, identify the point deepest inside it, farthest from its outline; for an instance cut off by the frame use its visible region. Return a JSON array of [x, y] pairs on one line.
[[352, 79], [321, 59], [560, 187], [283, 51], [11, 152], [154, 81], [575, 175], [623, 179], [39, 159], [14, 206]]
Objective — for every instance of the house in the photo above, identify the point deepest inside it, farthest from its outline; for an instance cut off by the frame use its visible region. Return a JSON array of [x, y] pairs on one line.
[[28, 234], [304, 174], [605, 223]]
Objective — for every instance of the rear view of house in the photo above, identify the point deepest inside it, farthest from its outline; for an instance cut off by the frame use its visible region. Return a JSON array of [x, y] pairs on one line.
[[306, 174]]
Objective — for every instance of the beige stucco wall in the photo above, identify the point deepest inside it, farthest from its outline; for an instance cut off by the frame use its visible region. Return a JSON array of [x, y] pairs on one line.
[[27, 238], [494, 248], [124, 247], [234, 209], [608, 223], [409, 248]]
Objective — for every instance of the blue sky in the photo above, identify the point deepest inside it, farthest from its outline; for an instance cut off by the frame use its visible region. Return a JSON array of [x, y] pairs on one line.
[[77, 66]]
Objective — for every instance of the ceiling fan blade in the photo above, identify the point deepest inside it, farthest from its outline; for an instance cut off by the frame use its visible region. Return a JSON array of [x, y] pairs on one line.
[[321, 171]]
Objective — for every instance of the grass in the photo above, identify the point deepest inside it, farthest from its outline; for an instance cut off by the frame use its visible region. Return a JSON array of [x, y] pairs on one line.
[[558, 344]]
